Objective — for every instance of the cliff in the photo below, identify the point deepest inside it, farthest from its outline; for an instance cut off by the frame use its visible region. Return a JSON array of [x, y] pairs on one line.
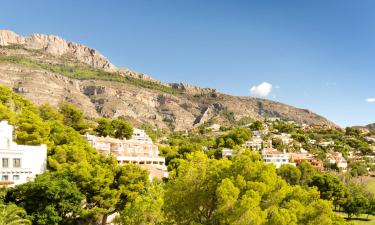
[[46, 68]]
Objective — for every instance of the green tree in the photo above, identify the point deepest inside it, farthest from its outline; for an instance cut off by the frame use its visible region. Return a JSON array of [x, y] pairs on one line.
[[358, 169], [146, 209], [122, 129], [244, 191], [290, 174], [31, 129], [13, 215], [49, 200], [307, 172], [73, 117], [357, 203], [117, 128], [330, 188], [107, 187], [47, 112], [105, 128], [257, 125]]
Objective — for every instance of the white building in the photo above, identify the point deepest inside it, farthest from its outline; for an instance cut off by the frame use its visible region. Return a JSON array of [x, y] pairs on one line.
[[326, 143], [227, 152], [337, 158], [285, 138], [139, 150], [19, 163], [271, 155], [255, 144]]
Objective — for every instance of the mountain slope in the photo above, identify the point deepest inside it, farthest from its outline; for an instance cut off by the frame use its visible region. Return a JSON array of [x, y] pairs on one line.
[[371, 127], [46, 68]]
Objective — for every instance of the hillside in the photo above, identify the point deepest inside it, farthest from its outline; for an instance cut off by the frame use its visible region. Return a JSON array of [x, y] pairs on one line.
[[371, 127], [46, 68]]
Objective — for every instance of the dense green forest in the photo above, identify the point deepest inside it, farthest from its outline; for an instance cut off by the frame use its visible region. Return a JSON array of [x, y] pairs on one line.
[[83, 187]]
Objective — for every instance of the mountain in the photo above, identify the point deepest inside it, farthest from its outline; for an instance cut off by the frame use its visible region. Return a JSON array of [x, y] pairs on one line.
[[46, 68], [371, 127]]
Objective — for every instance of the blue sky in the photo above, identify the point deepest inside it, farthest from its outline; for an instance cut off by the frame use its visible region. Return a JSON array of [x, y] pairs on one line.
[[318, 55]]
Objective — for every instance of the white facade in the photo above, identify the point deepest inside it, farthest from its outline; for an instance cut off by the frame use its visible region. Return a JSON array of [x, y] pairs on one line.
[[254, 144], [336, 157], [285, 138], [139, 150], [275, 157], [326, 143], [19, 163], [227, 152]]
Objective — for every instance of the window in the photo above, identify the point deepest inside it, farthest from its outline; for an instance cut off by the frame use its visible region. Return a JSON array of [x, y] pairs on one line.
[[5, 162], [16, 177], [16, 163], [5, 177]]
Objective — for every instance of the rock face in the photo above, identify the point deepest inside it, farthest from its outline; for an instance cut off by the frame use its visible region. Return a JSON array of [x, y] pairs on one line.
[[57, 46], [192, 107]]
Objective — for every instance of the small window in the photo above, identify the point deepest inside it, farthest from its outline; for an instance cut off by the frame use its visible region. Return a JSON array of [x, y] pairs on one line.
[[16, 177], [5, 162], [16, 163], [5, 177]]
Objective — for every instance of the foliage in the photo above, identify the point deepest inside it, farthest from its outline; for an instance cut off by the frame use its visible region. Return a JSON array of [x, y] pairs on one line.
[[49, 200], [357, 202], [146, 209], [242, 191], [290, 174], [117, 128], [330, 188], [83, 72], [257, 125], [236, 136], [73, 117], [104, 186], [12, 215], [358, 169]]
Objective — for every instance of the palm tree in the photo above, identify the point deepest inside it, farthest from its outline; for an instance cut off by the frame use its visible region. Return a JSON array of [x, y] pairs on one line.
[[12, 215]]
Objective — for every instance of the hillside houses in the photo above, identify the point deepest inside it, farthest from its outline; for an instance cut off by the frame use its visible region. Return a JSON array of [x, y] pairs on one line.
[[304, 156], [326, 143], [338, 159], [19, 163], [139, 150], [285, 138], [271, 155]]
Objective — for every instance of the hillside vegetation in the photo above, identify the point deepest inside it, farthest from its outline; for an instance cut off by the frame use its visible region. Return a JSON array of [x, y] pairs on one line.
[[82, 187]]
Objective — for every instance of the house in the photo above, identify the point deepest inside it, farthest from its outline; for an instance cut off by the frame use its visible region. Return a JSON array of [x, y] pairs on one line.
[[139, 149], [338, 159], [285, 138], [326, 143], [305, 156], [227, 152], [271, 155], [312, 141], [19, 163], [255, 144]]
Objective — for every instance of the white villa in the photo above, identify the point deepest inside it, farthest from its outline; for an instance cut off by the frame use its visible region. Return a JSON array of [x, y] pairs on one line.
[[139, 150], [285, 138], [337, 158], [326, 143], [254, 144], [227, 152], [19, 163], [271, 155]]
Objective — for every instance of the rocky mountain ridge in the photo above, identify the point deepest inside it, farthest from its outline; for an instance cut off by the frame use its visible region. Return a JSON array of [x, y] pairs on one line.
[[64, 71]]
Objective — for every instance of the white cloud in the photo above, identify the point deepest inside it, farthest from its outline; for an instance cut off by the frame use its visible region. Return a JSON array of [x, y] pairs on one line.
[[371, 100], [263, 89]]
